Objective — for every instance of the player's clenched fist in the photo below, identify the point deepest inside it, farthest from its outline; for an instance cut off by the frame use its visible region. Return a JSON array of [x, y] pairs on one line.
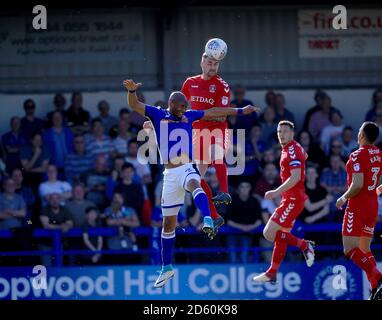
[[131, 85]]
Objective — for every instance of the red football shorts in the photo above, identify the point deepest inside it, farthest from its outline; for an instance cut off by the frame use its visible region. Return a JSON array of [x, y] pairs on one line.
[[360, 222], [288, 210], [210, 144]]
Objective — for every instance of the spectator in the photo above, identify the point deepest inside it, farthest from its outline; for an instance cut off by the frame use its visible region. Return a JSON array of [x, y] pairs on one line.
[[59, 141], [107, 120], [142, 169], [93, 243], [270, 99], [333, 179], [54, 217], [131, 191], [115, 176], [282, 113], [137, 120], [31, 124], [315, 154], [332, 131], [124, 115], [95, 182], [97, 142], [78, 204], [124, 218], [161, 103], [34, 160], [120, 142], [78, 118], [12, 207], [317, 204], [78, 162], [243, 214], [254, 148], [13, 141], [54, 186], [59, 102], [349, 144], [376, 99], [268, 157], [378, 121], [241, 121], [26, 193], [269, 180], [320, 118], [336, 149], [268, 126], [318, 96]]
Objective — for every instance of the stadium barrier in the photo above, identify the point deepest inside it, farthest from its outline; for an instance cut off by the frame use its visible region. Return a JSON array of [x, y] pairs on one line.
[[58, 252]]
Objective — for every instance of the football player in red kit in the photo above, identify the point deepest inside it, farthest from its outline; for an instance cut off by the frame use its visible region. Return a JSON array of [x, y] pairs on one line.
[[206, 91], [292, 190], [363, 174]]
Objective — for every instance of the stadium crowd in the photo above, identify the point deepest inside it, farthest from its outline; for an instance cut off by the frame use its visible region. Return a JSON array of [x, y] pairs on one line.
[[74, 169]]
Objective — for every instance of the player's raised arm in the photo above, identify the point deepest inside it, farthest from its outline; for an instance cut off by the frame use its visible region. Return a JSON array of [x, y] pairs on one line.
[[132, 99], [221, 112]]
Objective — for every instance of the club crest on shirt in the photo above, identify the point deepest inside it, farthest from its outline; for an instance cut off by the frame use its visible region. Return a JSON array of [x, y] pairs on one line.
[[356, 167], [224, 101], [212, 88]]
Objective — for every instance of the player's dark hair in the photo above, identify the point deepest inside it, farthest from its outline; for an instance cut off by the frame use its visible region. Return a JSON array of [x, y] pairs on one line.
[[287, 123], [371, 131]]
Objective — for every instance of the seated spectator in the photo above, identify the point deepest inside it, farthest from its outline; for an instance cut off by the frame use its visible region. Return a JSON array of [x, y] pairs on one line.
[[241, 121], [268, 157], [124, 115], [332, 131], [12, 142], [54, 217], [54, 186], [107, 120], [115, 176], [78, 204], [78, 118], [137, 120], [334, 180], [244, 214], [97, 142], [142, 169], [282, 113], [59, 141], [26, 193], [95, 182], [12, 207], [78, 162], [270, 99], [124, 218], [30, 124], [315, 154], [336, 150], [254, 148], [317, 204], [120, 142], [269, 180], [131, 191], [93, 243], [377, 98], [59, 102], [319, 95], [268, 126], [349, 144], [320, 118], [34, 161]]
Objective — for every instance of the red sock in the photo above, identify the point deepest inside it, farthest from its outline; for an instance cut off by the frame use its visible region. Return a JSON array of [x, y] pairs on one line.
[[361, 260], [371, 258], [278, 254], [221, 174], [291, 240], [208, 192]]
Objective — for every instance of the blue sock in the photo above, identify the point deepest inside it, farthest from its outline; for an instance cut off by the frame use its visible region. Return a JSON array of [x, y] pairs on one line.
[[168, 243], [201, 201]]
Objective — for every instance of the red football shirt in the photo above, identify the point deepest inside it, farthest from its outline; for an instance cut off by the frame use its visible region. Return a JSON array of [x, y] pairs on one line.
[[205, 94], [366, 160], [293, 156]]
